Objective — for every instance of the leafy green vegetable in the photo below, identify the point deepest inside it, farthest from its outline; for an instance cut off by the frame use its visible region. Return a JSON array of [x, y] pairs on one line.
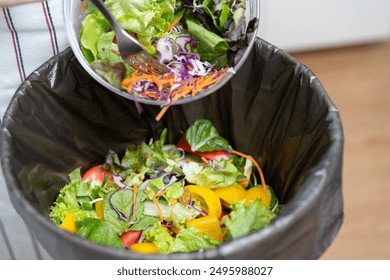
[[59, 210], [146, 160], [188, 239], [202, 136], [112, 72], [179, 214], [212, 47], [222, 174], [93, 27], [174, 187], [74, 197], [122, 200], [99, 231], [149, 19], [158, 172], [236, 30], [245, 219], [219, 11], [218, 26], [144, 222]]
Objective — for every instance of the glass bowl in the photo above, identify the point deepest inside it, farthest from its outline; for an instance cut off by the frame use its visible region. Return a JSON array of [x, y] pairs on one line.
[[74, 15]]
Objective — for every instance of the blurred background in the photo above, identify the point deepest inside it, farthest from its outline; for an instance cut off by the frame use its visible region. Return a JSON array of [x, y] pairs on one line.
[[346, 43], [305, 25]]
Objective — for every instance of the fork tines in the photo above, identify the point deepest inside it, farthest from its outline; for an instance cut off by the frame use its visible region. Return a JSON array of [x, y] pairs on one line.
[[146, 63]]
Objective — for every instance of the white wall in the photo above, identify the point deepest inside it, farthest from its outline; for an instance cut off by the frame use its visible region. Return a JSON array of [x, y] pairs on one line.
[[298, 25]]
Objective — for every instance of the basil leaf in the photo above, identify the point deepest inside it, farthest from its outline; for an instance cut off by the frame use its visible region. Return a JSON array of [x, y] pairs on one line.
[[202, 136]]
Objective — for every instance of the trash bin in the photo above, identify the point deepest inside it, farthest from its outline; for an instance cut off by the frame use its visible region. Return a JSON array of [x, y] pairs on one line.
[[274, 109]]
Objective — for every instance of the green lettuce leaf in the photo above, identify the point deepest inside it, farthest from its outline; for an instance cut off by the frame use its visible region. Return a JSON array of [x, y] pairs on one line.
[[113, 73], [122, 200], [202, 136], [211, 47], [244, 219], [222, 174], [149, 19], [179, 215], [75, 197], [174, 189], [146, 160], [99, 231], [93, 27], [144, 222], [187, 240], [219, 11]]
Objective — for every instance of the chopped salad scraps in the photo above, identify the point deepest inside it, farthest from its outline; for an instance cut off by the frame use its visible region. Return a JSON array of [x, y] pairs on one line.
[[195, 39], [163, 198]]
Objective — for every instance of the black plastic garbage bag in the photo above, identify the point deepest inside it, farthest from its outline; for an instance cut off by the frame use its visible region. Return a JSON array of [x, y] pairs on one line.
[[274, 109]]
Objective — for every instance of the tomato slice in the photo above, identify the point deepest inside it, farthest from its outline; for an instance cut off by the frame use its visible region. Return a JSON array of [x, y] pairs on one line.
[[129, 238], [214, 155], [97, 175], [183, 144]]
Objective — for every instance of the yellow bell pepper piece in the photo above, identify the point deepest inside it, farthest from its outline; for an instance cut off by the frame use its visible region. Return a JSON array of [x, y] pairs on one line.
[[99, 209], [69, 223], [258, 193], [210, 198], [230, 194], [144, 248], [208, 224]]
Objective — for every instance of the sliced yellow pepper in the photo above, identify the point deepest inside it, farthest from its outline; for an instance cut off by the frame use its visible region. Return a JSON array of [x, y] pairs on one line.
[[69, 223], [99, 209], [144, 248], [258, 193], [208, 224], [211, 199], [230, 194]]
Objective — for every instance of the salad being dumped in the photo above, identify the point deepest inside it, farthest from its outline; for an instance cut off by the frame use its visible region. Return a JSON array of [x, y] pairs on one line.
[[166, 198], [196, 39]]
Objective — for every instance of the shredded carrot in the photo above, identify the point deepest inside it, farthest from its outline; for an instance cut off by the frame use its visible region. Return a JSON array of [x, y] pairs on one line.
[[116, 52], [135, 78], [167, 229], [204, 160], [165, 108], [172, 200], [224, 233], [135, 188], [204, 83], [174, 23], [154, 199], [83, 8], [256, 164], [175, 230], [189, 87]]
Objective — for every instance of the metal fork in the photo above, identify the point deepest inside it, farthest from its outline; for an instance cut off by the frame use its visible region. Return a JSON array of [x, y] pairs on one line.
[[130, 49]]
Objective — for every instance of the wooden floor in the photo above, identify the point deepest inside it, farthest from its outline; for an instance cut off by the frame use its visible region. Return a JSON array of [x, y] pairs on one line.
[[358, 81]]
